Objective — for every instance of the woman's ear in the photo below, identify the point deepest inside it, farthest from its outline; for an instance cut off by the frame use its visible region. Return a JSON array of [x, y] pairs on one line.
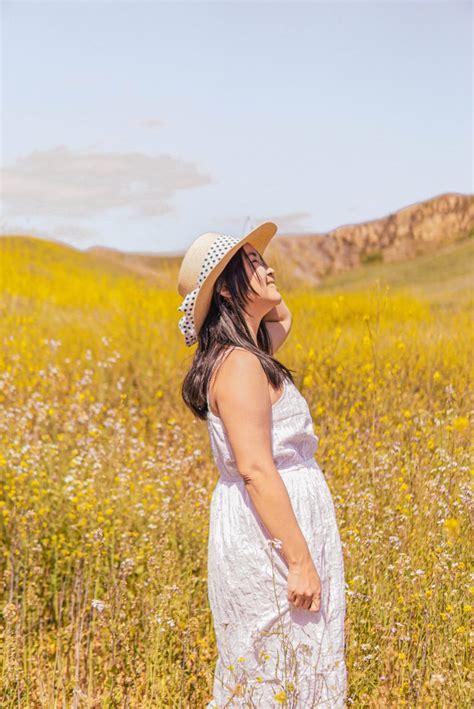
[[224, 291]]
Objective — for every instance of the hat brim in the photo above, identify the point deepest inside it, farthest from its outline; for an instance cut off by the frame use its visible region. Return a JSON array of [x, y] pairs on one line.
[[259, 238]]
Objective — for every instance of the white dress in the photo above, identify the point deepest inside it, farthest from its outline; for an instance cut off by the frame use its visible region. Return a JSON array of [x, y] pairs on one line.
[[271, 653]]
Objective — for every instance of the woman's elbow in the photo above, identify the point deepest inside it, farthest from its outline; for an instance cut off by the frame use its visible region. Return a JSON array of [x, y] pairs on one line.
[[257, 472]]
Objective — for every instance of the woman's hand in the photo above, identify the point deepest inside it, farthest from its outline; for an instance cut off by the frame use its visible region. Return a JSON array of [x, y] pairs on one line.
[[304, 586]]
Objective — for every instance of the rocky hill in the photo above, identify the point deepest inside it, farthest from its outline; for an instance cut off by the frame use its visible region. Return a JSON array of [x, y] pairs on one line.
[[418, 229]]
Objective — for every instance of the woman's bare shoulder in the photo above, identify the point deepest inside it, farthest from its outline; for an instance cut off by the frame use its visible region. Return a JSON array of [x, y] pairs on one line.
[[239, 371], [240, 362]]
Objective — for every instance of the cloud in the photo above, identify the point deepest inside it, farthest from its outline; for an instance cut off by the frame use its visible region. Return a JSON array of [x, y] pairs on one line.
[[60, 182], [153, 123], [72, 233], [286, 223]]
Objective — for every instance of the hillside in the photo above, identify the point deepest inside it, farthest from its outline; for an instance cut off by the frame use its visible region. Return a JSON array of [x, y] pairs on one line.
[[442, 277], [421, 228], [418, 229], [423, 246]]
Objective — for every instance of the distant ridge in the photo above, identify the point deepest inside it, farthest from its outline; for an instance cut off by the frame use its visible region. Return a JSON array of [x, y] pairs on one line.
[[418, 229], [421, 228]]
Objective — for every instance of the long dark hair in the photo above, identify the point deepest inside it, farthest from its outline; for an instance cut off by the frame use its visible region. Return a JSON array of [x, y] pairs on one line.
[[225, 326]]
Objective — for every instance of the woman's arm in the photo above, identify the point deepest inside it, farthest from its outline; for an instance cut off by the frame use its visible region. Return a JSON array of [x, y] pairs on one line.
[[278, 313], [243, 398], [278, 321]]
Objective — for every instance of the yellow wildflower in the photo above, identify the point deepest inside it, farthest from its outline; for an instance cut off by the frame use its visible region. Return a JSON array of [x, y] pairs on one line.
[[451, 526], [460, 423]]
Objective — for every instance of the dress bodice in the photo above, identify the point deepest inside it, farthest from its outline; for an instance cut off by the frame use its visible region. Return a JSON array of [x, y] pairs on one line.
[[294, 441]]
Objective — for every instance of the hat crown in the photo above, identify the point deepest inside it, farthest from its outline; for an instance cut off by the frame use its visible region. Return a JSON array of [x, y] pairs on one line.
[[193, 261]]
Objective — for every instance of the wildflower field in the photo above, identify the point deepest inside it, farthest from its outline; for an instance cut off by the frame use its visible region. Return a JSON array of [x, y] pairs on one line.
[[106, 478]]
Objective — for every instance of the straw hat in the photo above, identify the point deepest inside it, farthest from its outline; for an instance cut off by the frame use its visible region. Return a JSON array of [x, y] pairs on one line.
[[203, 262]]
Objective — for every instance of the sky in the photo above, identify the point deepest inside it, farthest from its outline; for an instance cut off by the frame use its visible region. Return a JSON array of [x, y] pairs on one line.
[[140, 125]]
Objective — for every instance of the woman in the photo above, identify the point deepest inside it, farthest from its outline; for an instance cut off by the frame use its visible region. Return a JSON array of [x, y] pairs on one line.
[[275, 563]]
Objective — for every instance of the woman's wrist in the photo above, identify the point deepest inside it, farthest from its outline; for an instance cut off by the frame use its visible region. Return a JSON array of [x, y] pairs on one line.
[[300, 560]]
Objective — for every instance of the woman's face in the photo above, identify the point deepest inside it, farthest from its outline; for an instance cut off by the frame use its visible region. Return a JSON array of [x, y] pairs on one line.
[[262, 280]]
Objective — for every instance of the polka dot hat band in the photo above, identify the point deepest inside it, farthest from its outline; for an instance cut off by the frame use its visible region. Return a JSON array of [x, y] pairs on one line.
[[217, 250]]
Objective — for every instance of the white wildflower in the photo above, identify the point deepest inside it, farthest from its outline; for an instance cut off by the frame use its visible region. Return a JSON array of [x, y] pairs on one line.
[[275, 543], [98, 605]]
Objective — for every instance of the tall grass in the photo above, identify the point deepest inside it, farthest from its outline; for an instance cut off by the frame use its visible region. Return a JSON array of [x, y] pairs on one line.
[[106, 479]]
